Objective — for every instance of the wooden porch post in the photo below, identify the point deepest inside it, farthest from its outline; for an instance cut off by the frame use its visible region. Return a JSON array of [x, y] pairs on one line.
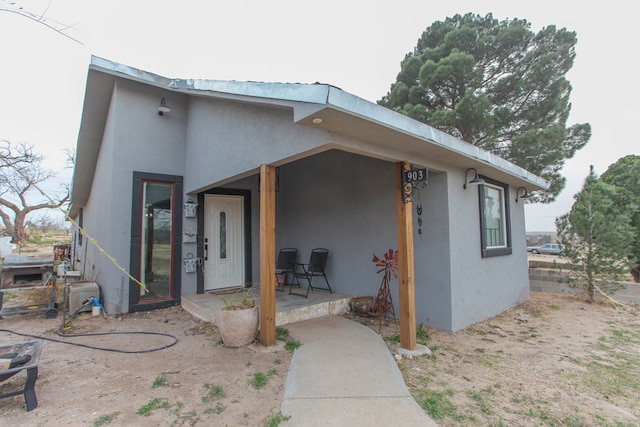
[[406, 280], [267, 255]]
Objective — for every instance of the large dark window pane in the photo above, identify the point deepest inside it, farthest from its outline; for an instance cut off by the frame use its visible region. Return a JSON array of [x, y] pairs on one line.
[[157, 225], [495, 224], [493, 217]]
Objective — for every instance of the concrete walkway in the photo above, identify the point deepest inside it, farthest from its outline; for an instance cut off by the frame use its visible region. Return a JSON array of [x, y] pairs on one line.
[[344, 375]]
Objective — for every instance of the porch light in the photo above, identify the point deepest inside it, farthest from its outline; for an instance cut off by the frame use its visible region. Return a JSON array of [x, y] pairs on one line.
[[163, 107], [525, 195], [476, 179]]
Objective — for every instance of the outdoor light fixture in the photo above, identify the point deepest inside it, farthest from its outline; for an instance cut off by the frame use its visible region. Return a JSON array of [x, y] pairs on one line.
[[163, 107], [476, 179], [525, 195]]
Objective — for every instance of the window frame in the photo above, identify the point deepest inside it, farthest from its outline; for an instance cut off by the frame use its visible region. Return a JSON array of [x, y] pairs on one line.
[[135, 262], [491, 251], [80, 226]]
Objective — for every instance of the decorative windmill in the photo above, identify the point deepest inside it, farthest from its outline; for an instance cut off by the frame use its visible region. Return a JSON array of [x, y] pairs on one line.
[[387, 265]]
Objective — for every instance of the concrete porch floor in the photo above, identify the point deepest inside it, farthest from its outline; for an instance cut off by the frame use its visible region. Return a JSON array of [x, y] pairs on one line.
[[289, 308]]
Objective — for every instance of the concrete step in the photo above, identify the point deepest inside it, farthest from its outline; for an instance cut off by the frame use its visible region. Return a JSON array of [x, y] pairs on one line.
[[289, 308]]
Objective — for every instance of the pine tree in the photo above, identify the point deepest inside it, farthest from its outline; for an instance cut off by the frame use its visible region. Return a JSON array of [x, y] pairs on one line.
[[497, 85], [597, 234]]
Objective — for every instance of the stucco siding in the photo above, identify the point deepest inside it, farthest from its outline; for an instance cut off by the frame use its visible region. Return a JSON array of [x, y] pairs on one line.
[[228, 139], [483, 287], [432, 247], [342, 202], [105, 224], [346, 203], [135, 139]]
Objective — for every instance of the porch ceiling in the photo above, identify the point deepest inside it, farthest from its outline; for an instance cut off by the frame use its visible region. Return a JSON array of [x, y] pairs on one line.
[[424, 147]]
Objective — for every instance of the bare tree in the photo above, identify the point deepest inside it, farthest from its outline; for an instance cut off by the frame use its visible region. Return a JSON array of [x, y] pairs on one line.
[[21, 172], [14, 155], [17, 8], [44, 223]]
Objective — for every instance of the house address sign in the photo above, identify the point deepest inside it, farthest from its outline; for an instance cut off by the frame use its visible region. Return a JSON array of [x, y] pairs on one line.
[[415, 175], [412, 180]]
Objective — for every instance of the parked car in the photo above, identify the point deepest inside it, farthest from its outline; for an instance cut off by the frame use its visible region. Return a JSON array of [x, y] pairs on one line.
[[547, 249]]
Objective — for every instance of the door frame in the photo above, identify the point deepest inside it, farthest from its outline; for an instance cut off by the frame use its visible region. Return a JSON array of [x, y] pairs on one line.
[[135, 245], [246, 196]]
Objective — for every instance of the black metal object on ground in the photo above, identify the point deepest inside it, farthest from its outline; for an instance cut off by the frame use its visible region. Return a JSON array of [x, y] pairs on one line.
[[32, 349]]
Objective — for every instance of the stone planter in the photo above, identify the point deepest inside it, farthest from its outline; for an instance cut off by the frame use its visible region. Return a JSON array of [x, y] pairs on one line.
[[238, 327], [361, 306]]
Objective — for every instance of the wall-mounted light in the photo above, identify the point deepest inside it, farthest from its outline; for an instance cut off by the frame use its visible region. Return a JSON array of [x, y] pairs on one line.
[[163, 107], [476, 179], [524, 195]]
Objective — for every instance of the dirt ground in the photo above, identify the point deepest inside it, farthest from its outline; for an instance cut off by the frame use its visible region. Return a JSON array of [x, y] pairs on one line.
[[196, 381], [553, 360]]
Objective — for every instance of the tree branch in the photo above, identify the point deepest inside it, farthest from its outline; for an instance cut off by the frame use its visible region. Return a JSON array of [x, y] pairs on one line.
[[12, 7]]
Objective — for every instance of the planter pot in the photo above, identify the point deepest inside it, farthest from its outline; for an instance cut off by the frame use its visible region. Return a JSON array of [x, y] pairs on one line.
[[238, 327], [361, 306]]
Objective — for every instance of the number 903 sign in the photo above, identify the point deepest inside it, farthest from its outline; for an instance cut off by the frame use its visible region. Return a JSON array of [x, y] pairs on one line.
[[415, 175]]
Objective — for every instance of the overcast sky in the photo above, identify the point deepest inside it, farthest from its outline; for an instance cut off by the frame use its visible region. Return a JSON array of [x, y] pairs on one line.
[[354, 45]]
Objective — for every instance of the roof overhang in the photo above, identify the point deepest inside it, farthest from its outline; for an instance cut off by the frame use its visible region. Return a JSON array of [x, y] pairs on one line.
[[349, 115], [319, 106]]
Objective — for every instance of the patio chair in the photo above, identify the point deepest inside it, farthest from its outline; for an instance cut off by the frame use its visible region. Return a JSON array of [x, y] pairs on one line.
[[285, 265], [315, 268]]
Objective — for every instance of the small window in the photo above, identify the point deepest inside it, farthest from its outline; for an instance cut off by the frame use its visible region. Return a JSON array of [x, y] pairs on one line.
[[223, 235], [495, 233], [80, 225]]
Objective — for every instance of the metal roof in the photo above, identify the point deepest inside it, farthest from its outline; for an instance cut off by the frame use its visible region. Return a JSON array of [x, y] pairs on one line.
[[341, 113]]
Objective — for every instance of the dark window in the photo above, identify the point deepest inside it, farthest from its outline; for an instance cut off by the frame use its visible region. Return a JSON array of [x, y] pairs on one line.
[[495, 224], [155, 241], [80, 225], [223, 235], [155, 257]]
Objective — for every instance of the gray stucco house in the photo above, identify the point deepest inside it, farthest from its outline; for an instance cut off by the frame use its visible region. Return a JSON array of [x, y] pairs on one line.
[[335, 156]]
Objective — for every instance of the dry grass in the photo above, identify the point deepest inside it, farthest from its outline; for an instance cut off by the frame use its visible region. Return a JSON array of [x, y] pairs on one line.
[[551, 361]]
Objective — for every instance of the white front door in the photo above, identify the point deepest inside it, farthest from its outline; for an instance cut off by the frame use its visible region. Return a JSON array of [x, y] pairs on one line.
[[223, 240]]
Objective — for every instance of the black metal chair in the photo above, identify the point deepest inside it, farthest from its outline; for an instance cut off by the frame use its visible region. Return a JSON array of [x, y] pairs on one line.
[[285, 265], [315, 268]]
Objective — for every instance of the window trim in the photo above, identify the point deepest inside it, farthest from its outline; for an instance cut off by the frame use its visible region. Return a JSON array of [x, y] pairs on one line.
[[135, 304], [80, 226], [485, 251]]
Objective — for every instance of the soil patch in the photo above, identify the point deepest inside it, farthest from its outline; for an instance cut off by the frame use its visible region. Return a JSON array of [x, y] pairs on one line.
[[553, 360], [197, 381]]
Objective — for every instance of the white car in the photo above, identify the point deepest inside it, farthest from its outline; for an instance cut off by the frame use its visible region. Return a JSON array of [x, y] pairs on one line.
[[547, 249]]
